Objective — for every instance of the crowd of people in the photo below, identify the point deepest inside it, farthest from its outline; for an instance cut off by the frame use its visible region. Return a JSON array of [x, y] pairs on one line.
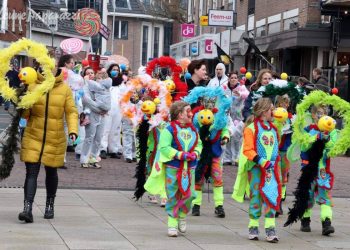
[[226, 120]]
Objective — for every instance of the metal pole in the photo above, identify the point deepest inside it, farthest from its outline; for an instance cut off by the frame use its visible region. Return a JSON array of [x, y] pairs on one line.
[[30, 19], [113, 29]]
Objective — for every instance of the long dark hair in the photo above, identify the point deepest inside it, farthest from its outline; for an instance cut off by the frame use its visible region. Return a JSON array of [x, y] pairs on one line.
[[117, 80], [63, 60], [87, 68]]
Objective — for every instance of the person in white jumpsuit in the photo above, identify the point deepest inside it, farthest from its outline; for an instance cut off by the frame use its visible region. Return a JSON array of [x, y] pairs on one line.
[[238, 94], [111, 137]]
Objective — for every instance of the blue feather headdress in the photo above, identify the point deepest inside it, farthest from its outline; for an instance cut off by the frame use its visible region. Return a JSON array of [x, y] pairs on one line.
[[223, 103]]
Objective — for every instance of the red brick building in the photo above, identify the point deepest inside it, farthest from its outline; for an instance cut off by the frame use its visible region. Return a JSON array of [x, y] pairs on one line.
[[294, 36], [13, 27]]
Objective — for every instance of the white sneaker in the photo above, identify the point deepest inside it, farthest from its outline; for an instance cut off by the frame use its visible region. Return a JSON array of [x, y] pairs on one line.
[[182, 225], [153, 199], [172, 232], [163, 202]]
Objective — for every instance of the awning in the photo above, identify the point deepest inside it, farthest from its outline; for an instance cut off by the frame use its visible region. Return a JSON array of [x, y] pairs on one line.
[[301, 37], [337, 2]]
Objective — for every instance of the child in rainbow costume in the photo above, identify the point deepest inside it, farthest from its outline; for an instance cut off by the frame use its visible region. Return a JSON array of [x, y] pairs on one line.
[[214, 134], [177, 155], [284, 122], [316, 181], [258, 166]]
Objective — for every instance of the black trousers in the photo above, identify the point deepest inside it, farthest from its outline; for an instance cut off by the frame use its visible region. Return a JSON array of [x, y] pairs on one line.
[[30, 184]]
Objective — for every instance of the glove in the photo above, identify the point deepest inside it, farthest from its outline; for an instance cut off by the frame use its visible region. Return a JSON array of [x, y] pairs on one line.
[[191, 156], [264, 163], [185, 156]]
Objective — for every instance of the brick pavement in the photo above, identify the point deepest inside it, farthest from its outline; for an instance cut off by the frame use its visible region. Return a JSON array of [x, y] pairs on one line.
[[117, 174]]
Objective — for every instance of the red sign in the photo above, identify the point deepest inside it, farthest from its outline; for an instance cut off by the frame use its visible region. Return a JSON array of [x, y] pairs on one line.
[[187, 30], [94, 62], [208, 46]]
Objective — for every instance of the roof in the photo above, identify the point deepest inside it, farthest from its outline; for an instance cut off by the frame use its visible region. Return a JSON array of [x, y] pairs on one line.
[[136, 7], [64, 26], [47, 4]]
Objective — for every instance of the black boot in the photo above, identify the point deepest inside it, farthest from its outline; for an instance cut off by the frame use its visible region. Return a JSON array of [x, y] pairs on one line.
[[196, 210], [327, 228], [220, 212], [49, 211], [305, 225], [26, 215]]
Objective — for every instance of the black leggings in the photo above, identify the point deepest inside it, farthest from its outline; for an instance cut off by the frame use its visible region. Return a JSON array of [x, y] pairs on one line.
[[30, 184]]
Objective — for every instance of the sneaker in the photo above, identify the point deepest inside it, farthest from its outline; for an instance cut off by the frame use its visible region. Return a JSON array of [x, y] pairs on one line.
[[253, 233], [103, 154], [120, 154], [152, 199], [220, 212], [172, 232], [128, 160], [271, 235], [196, 210], [85, 165], [182, 225], [134, 159], [114, 155], [92, 160], [327, 228], [305, 225], [163, 202], [94, 165]]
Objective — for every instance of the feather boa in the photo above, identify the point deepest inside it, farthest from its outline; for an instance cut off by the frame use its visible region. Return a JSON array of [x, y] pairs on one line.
[[223, 103], [154, 86], [40, 53], [316, 98], [308, 175], [206, 157], [166, 61], [278, 88], [140, 175]]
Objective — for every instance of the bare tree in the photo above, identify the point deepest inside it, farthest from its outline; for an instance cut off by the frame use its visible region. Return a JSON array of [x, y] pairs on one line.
[[172, 9]]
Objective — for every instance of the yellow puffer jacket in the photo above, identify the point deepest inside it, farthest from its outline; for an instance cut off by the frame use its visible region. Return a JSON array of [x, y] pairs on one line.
[[44, 138]]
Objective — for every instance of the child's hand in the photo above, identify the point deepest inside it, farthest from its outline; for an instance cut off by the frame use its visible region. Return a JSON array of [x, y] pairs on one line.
[[224, 141], [73, 137], [191, 156]]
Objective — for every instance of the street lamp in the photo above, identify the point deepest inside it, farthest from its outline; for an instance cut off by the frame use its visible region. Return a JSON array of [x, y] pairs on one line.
[[112, 48]]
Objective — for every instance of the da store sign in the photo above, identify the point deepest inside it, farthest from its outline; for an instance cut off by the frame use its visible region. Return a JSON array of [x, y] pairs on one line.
[[187, 30], [225, 18], [208, 43]]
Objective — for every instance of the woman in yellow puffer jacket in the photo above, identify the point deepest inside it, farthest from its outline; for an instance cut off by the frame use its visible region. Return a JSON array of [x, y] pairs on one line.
[[44, 142]]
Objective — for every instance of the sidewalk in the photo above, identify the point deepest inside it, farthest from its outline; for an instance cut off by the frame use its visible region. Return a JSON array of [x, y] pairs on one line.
[[90, 219]]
